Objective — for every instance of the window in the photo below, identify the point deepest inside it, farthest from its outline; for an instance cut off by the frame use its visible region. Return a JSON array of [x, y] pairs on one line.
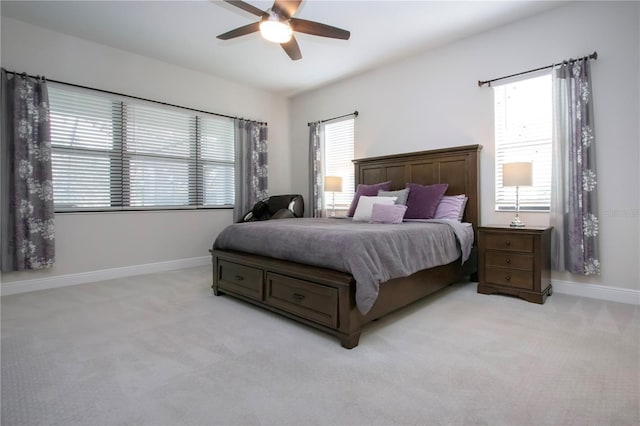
[[87, 167], [338, 156], [217, 158], [523, 125], [112, 152]]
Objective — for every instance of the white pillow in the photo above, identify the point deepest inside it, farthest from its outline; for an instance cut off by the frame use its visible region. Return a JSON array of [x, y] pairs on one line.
[[365, 206]]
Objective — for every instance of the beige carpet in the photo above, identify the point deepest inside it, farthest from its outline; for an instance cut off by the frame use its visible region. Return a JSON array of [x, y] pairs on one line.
[[162, 350]]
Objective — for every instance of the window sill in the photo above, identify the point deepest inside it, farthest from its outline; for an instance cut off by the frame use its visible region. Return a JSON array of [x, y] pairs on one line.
[[133, 210]]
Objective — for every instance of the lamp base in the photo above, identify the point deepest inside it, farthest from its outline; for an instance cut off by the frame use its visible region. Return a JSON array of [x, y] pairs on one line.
[[516, 223], [333, 204]]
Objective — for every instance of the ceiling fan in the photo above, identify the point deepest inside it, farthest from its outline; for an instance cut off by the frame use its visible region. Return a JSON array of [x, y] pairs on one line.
[[278, 24]]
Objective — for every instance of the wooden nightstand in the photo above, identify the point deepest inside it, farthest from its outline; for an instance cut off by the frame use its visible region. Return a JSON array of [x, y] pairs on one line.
[[515, 261]]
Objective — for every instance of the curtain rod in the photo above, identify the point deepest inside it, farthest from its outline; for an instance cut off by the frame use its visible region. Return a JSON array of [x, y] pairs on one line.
[[354, 113], [481, 83], [128, 96]]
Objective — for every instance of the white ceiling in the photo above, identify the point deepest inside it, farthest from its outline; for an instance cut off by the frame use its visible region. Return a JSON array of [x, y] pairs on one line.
[[184, 33]]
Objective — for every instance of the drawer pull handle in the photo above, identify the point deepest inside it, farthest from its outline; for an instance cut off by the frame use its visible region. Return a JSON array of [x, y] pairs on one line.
[[298, 296], [508, 260], [239, 278], [508, 242], [508, 277]]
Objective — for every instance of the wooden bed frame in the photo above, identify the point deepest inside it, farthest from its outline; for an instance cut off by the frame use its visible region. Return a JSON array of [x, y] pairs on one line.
[[325, 298]]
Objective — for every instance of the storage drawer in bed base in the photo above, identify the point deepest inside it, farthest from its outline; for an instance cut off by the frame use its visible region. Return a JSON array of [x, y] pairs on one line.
[[309, 300], [241, 279]]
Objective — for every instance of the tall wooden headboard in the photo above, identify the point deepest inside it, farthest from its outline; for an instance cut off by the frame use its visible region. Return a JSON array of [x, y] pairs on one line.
[[457, 166]]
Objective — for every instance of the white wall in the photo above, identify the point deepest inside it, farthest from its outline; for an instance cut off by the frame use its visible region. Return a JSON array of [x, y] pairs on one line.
[[432, 101], [96, 241]]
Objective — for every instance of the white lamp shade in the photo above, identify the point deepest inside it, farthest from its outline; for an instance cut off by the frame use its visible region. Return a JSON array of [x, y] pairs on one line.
[[517, 174], [333, 184]]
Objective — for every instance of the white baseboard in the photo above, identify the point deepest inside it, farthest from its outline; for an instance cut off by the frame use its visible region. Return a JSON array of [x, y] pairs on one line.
[[614, 294], [594, 291], [24, 286]]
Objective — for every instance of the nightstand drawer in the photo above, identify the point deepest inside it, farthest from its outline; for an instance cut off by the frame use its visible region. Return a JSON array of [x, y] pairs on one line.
[[309, 300], [508, 241], [510, 277], [504, 259], [241, 279]]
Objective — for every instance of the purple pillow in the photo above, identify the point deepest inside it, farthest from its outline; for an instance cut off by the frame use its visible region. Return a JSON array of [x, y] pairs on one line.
[[451, 207], [387, 213], [369, 191], [423, 200]]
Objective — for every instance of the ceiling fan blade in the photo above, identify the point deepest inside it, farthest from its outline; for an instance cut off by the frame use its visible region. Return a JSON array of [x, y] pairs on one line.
[[286, 7], [318, 29], [246, 7], [292, 49], [240, 31]]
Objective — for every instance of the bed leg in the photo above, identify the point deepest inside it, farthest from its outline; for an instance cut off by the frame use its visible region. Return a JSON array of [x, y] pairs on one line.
[[350, 341]]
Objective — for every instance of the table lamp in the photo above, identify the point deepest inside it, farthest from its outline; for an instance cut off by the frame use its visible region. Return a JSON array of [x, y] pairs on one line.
[[517, 174], [333, 184]]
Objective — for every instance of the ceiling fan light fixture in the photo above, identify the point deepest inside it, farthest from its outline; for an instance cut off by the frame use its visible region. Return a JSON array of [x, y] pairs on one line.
[[275, 30], [278, 24]]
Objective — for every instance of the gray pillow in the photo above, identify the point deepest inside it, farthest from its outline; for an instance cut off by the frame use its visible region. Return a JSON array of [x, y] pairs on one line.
[[402, 195]]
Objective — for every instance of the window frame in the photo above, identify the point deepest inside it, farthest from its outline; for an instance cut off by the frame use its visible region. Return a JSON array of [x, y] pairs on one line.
[[536, 198], [344, 198], [118, 156]]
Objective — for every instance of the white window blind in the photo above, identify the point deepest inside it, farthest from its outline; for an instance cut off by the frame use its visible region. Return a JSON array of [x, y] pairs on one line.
[[338, 156], [86, 144], [217, 160], [523, 128], [159, 156], [112, 152]]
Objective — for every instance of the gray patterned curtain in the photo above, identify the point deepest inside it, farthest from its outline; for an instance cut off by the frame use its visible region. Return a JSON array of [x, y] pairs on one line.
[[26, 205], [316, 190], [574, 206], [251, 167]]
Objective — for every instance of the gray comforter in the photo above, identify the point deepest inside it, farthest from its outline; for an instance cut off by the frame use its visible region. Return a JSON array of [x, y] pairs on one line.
[[372, 253]]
